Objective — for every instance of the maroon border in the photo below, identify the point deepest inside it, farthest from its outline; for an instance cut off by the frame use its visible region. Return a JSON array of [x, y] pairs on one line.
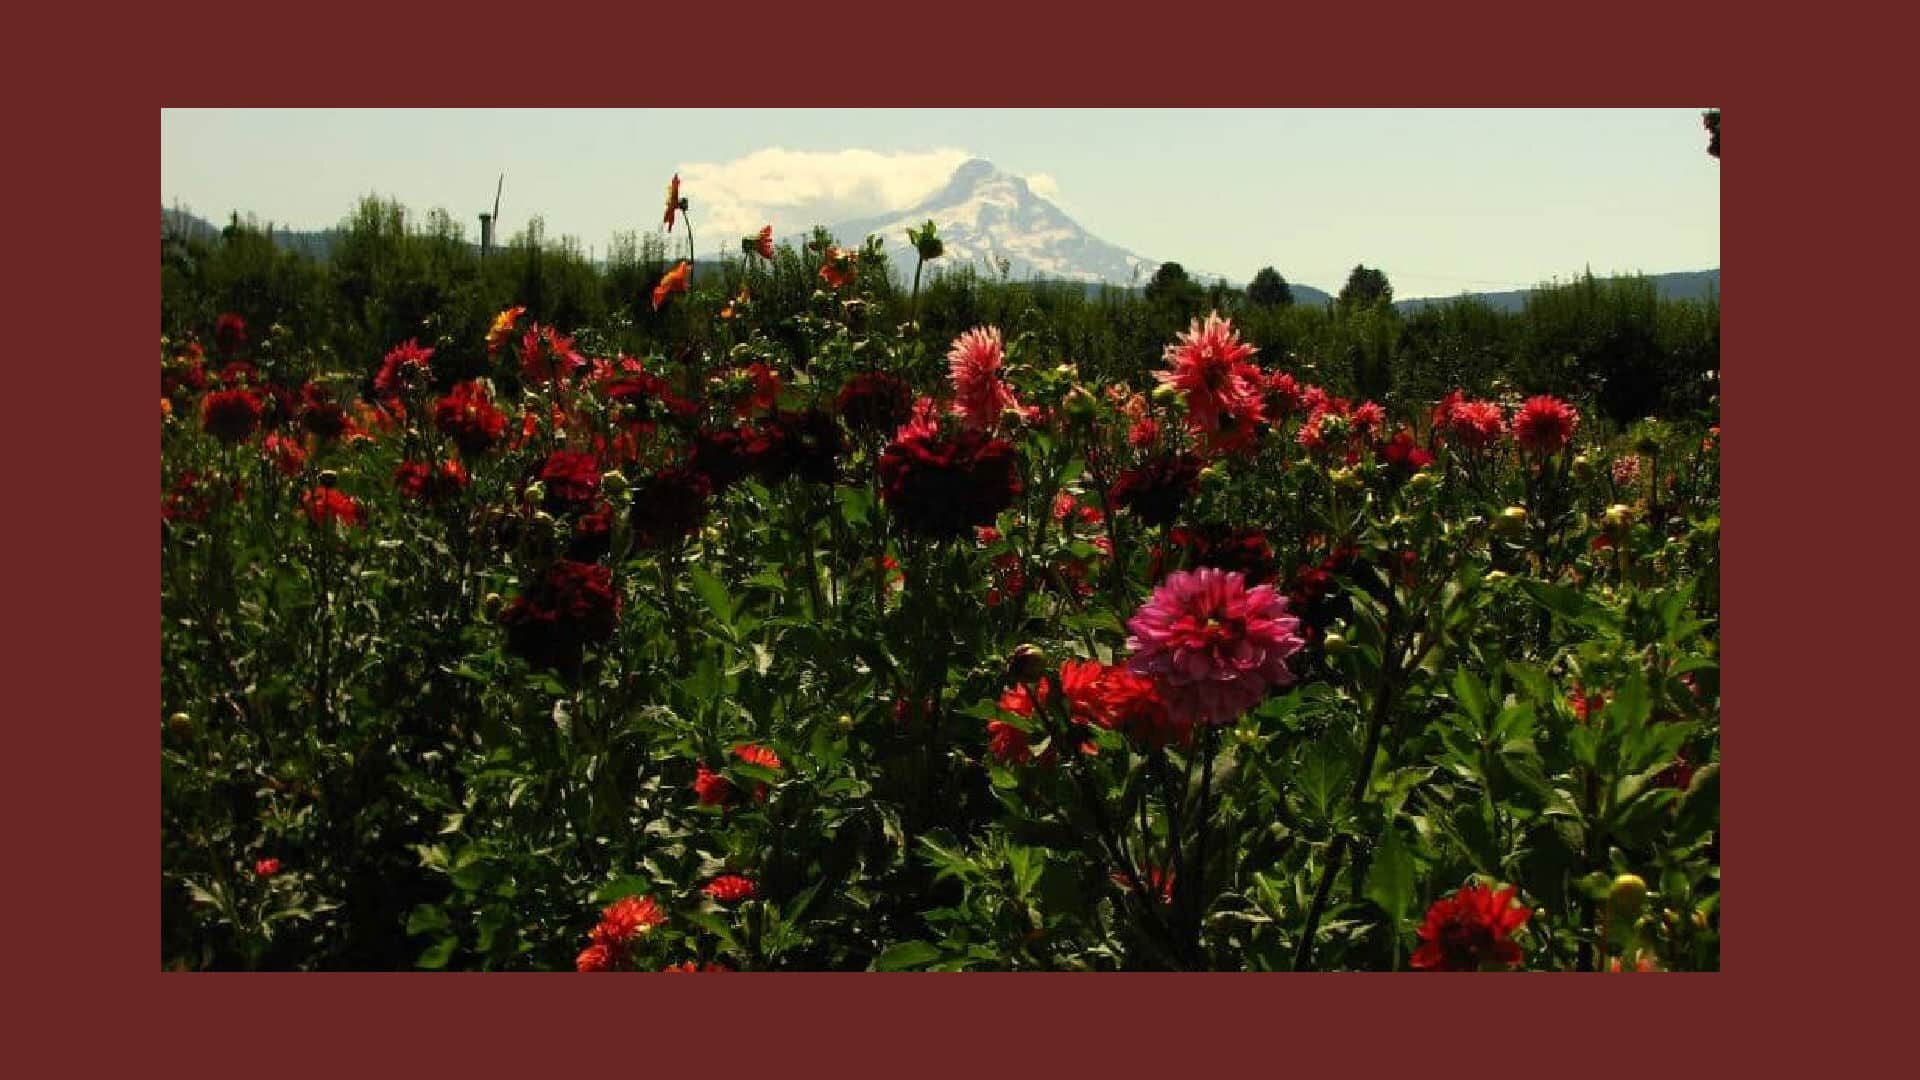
[[81, 688]]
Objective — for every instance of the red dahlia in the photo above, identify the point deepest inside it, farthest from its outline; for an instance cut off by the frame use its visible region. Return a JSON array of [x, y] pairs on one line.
[[230, 415], [325, 505], [467, 416], [407, 364], [1469, 931], [570, 607], [1545, 424], [572, 480], [1155, 490], [668, 506], [874, 403], [944, 486], [730, 888]]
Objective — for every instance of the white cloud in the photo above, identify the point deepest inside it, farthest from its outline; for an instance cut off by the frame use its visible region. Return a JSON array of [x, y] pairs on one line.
[[794, 190]]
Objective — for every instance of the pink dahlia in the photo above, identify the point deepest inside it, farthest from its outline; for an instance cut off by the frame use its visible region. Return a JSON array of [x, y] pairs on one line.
[[980, 393], [1213, 645], [1210, 366], [1545, 424]]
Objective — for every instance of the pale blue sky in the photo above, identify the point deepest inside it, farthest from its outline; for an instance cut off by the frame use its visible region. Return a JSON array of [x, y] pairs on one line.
[[1443, 200]]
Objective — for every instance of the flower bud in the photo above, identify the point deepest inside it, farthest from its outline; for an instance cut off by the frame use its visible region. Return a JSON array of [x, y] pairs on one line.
[[181, 725], [1618, 516], [541, 517], [1168, 395], [491, 604], [536, 492], [1080, 403], [1012, 417], [1336, 644], [328, 478], [845, 722], [1626, 897], [1511, 521], [1422, 481], [1026, 664], [614, 483]]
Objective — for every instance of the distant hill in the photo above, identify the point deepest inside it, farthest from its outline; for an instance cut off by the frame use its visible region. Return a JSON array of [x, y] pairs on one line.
[[1683, 285]]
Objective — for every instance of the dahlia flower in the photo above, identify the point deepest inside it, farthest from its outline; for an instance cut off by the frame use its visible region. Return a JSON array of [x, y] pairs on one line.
[[1214, 646], [502, 328], [406, 364], [468, 416], [230, 415], [974, 364], [1473, 424], [1156, 489], [673, 281], [673, 207], [1469, 931], [668, 506], [1210, 368], [572, 605], [1545, 424], [730, 888], [874, 402], [944, 487]]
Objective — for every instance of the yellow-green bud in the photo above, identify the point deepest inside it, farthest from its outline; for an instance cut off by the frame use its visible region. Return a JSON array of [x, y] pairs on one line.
[[614, 483], [1080, 403], [1619, 515], [1026, 664], [1627, 896], [845, 721], [1336, 644], [537, 492], [1510, 522], [491, 604], [181, 725]]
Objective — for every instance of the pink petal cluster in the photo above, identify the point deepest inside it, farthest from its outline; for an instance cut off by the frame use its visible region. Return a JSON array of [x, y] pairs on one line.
[[1213, 645], [1211, 368], [974, 363]]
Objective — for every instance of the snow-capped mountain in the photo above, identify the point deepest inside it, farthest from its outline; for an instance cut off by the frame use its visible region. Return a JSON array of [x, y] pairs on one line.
[[985, 215]]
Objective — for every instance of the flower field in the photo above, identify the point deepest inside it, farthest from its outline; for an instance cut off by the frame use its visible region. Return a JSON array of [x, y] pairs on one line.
[[808, 648]]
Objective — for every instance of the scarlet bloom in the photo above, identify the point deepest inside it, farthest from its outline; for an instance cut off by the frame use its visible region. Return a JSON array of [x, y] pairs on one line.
[[571, 606], [623, 922], [839, 268], [321, 415], [1545, 424], [943, 487], [689, 966], [1156, 489], [873, 403], [755, 754], [467, 416], [711, 788], [266, 867], [1469, 931], [546, 355], [674, 281], [730, 888], [1473, 424], [287, 456], [325, 505], [1131, 704], [1159, 883], [760, 244], [1209, 365], [1212, 645], [1144, 433], [1283, 396], [230, 415], [572, 480], [502, 328], [673, 208], [974, 364], [406, 364], [668, 506]]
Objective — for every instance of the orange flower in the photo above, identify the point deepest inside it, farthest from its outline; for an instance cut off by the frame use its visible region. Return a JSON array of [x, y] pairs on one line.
[[763, 243], [675, 281], [502, 328], [166, 408], [839, 268], [730, 311], [673, 207]]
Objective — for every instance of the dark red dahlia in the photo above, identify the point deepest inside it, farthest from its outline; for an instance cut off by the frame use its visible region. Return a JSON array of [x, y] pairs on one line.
[[571, 606], [1470, 931], [874, 403], [722, 455], [944, 486], [804, 444], [231, 415], [730, 888], [1545, 424], [1403, 455], [592, 535], [572, 480], [1225, 547], [668, 506], [467, 416], [1155, 490], [229, 334], [425, 483]]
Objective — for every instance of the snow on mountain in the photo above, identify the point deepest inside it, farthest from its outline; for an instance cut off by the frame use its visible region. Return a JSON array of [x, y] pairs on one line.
[[985, 215]]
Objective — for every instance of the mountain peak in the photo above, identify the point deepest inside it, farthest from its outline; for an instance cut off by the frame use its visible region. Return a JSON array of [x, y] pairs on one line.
[[987, 216]]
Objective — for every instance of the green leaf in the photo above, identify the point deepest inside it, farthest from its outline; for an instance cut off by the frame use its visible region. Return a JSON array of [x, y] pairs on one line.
[[713, 592], [437, 956], [1390, 881], [906, 955], [426, 919]]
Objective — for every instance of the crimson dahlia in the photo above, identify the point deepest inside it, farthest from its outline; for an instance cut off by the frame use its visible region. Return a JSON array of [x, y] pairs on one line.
[[571, 606], [1469, 931], [467, 416], [668, 506], [943, 487], [230, 415]]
